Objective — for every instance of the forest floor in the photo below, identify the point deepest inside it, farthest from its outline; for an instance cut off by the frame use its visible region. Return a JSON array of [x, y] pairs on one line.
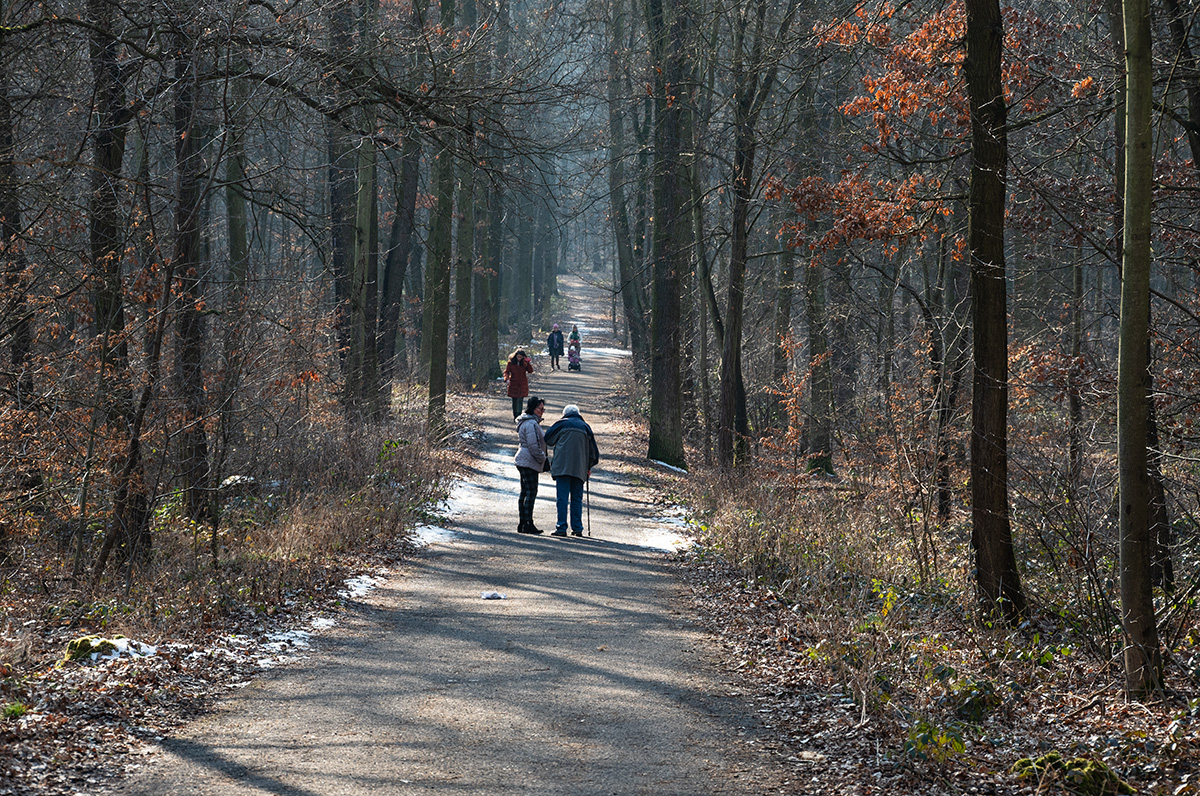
[[610, 667]]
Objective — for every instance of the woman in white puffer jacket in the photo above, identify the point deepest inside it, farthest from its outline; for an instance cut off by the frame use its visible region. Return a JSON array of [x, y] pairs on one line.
[[531, 460]]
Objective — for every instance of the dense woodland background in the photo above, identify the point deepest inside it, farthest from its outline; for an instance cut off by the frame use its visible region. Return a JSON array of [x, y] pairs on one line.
[[868, 258]]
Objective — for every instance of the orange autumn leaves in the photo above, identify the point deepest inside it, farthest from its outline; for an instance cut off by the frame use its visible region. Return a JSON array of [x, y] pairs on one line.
[[914, 108]]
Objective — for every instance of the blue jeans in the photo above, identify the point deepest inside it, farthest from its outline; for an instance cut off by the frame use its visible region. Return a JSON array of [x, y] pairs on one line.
[[570, 489]]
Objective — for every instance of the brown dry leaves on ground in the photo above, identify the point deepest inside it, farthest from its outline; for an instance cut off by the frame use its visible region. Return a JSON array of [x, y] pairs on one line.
[[80, 725], [857, 705], [774, 653]]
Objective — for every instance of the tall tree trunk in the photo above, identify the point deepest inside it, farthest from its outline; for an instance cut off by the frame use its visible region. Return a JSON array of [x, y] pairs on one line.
[[435, 323], [991, 535], [18, 314], [128, 528], [392, 352], [190, 339], [665, 25], [623, 233], [343, 169], [538, 261], [1179, 23], [522, 270], [238, 271], [1074, 373], [395, 264], [16, 321], [491, 288], [1143, 656], [465, 256], [364, 302], [1107, 274], [820, 362], [785, 289], [464, 269], [486, 353], [754, 75]]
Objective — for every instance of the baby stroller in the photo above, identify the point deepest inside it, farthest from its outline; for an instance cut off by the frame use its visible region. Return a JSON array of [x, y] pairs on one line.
[[573, 362]]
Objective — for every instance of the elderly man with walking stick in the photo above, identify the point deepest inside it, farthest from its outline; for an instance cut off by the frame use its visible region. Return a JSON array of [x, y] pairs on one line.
[[575, 454]]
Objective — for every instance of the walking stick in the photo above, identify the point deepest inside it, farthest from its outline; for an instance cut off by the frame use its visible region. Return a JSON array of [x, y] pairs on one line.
[[588, 491]]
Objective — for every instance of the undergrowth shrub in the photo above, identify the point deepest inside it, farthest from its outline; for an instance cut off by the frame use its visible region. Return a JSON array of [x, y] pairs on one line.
[[289, 527]]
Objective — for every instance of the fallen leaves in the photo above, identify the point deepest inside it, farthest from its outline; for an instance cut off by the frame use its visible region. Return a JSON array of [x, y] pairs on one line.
[[844, 730]]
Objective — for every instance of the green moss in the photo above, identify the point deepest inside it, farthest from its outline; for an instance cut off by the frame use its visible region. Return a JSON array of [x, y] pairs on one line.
[[81, 649], [1080, 775]]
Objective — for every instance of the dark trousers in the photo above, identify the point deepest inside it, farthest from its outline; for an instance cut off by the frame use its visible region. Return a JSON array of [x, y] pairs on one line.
[[517, 407], [529, 487]]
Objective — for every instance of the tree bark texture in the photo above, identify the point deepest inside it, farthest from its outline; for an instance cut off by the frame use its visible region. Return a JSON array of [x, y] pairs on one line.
[[395, 264], [665, 24], [128, 527], [629, 284], [991, 535], [1143, 657], [190, 332], [435, 324]]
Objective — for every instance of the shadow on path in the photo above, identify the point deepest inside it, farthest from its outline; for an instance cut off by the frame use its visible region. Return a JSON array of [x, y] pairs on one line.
[[581, 681]]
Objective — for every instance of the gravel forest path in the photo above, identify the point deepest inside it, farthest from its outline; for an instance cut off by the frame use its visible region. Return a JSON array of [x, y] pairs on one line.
[[586, 679]]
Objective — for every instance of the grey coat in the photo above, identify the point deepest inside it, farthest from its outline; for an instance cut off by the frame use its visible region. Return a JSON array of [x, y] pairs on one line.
[[531, 442], [575, 451]]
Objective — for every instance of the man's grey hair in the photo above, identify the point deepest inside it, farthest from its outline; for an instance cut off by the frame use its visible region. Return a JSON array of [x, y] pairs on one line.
[[571, 409]]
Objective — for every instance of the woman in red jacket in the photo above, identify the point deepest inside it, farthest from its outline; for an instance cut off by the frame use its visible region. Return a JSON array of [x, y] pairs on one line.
[[516, 373]]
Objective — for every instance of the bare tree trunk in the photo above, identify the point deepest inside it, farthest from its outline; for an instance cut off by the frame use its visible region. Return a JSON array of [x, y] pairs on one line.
[[435, 324], [190, 339], [128, 527], [629, 284], [395, 264], [491, 288], [464, 269], [1074, 395], [487, 292], [785, 290], [666, 25], [754, 75], [991, 536], [342, 186], [17, 315], [1143, 656], [465, 256], [364, 302], [820, 436]]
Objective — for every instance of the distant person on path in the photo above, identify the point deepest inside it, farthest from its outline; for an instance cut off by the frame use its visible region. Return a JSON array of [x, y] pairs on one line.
[[575, 454], [516, 374], [532, 460], [574, 338], [554, 347]]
